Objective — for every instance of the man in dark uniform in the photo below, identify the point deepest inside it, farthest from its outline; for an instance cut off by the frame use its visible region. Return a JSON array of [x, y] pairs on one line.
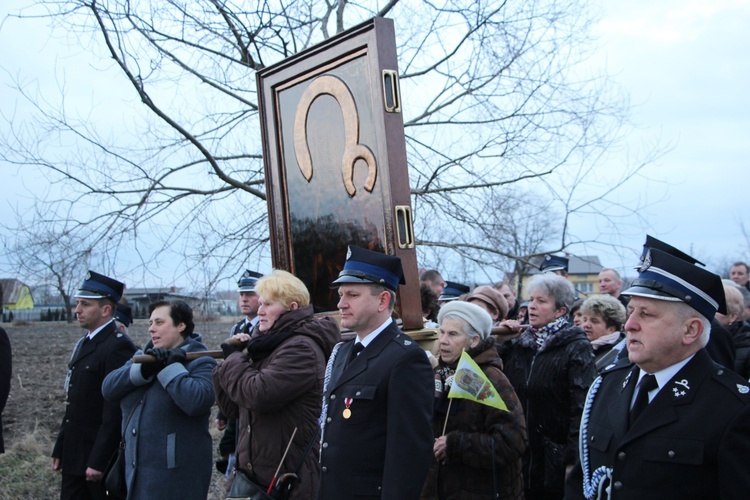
[[248, 304], [669, 422], [377, 408], [90, 430]]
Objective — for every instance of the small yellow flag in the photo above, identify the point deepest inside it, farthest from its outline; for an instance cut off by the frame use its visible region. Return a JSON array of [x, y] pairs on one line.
[[471, 383]]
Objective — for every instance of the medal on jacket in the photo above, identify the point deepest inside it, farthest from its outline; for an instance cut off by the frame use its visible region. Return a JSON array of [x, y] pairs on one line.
[[347, 411]]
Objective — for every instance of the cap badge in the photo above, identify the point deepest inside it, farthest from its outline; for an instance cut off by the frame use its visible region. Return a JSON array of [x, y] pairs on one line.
[[88, 275], [348, 253], [646, 262], [743, 389]]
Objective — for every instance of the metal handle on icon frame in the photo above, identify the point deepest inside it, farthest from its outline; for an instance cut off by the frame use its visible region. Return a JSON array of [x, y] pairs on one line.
[[404, 227], [391, 92]]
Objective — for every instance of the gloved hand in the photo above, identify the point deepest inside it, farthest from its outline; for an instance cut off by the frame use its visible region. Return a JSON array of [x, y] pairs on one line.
[[148, 370], [228, 349], [166, 357]]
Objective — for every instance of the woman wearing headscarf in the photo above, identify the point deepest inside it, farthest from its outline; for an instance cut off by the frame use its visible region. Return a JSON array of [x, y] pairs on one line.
[[166, 407], [478, 453], [275, 384], [551, 366], [603, 317]]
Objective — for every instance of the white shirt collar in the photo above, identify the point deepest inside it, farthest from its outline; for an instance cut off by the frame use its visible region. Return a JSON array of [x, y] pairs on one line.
[[371, 336]]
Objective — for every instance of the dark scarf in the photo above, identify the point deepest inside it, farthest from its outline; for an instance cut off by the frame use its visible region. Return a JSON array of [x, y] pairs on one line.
[[542, 334], [260, 347]]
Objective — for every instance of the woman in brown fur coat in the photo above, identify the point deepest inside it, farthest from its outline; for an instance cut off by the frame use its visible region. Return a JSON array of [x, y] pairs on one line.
[[479, 455]]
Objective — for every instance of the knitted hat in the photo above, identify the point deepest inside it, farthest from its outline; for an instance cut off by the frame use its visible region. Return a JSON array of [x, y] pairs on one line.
[[474, 315]]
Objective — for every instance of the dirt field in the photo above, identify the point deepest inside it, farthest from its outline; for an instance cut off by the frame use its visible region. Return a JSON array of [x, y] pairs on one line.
[[40, 355]]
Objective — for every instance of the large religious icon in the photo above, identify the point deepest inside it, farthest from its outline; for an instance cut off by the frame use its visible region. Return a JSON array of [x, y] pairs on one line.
[[335, 161]]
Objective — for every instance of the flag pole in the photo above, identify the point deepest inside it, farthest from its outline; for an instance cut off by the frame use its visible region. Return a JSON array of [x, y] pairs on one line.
[[450, 402]]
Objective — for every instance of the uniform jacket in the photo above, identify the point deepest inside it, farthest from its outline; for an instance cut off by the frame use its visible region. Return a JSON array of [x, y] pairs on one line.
[[90, 430], [691, 442], [604, 355], [473, 431], [167, 443], [551, 383], [5, 374], [740, 331], [721, 346], [384, 448], [276, 394]]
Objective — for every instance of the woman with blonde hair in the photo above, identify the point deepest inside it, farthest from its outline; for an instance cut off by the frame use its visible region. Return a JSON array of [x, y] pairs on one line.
[[274, 384]]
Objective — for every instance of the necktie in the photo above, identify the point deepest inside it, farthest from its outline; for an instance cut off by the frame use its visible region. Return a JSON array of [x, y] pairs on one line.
[[648, 383], [356, 349]]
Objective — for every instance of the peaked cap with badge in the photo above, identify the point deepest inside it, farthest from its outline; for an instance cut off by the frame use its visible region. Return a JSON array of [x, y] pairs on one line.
[[554, 263], [364, 266], [669, 274], [98, 286], [452, 291], [247, 281]]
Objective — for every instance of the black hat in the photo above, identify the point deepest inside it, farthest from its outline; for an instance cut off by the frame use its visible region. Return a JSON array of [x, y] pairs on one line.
[[662, 276], [124, 314], [452, 291], [368, 267], [247, 281], [652, 242], [98, 286], [554, 263]]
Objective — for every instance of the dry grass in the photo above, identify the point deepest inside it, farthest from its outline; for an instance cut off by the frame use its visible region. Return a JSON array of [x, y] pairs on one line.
[[40, 355], [24, 468]]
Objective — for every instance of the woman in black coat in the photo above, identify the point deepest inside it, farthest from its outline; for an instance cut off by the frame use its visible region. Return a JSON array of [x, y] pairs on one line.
[[551, 366]]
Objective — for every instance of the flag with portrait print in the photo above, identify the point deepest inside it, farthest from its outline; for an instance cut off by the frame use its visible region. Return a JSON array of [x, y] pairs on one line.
[[470, 382]]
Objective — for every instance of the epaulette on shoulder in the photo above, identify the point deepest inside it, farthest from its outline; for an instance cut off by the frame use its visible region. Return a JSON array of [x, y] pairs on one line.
[[733, 382], [621, 364], [403, 340]]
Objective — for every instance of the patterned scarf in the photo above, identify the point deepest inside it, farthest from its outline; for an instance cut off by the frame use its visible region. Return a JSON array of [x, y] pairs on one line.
[[543, 334], [444, 379]]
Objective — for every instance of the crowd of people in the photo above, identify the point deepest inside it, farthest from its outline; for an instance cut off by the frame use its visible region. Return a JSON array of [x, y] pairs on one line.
[[635, 393]]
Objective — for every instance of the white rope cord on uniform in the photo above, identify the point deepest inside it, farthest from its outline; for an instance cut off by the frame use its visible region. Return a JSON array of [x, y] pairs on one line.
[[326, 382], [592, 486]]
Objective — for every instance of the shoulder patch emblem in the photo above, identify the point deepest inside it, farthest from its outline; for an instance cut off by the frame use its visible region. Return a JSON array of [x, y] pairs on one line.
[[743, 389]]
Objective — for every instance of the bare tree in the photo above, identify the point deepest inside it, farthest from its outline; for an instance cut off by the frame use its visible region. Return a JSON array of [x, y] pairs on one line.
[[49, 254], [497, 105]]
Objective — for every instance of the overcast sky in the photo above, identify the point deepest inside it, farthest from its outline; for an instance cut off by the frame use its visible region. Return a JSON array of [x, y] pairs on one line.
[[684, 65]]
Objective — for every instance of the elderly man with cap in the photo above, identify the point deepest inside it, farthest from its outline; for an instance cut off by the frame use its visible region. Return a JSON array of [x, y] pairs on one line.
[[377, 401], [90, 430], [669, 422], [248, 304]]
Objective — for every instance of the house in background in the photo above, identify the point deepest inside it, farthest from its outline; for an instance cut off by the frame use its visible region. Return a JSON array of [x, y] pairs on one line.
[[141, 298], [583, 272], [16, 295]]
